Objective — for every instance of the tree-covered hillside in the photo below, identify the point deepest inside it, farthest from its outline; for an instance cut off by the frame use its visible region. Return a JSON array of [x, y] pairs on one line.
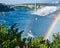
[[11, 38]]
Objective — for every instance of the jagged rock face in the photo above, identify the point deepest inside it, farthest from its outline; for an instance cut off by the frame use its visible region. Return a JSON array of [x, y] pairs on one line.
[[4, 8]]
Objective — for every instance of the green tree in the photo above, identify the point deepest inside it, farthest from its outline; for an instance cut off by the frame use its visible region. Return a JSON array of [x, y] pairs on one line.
[[56, 40], [36, 42], [9, 37]]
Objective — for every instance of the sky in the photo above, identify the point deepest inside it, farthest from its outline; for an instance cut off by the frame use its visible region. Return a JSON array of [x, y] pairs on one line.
[[26, 1]]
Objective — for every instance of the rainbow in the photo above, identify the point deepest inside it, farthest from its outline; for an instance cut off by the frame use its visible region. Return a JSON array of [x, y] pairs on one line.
[[52, 26]]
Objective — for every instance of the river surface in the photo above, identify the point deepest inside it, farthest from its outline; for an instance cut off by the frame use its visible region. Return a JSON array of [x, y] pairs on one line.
[[30, 23]]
